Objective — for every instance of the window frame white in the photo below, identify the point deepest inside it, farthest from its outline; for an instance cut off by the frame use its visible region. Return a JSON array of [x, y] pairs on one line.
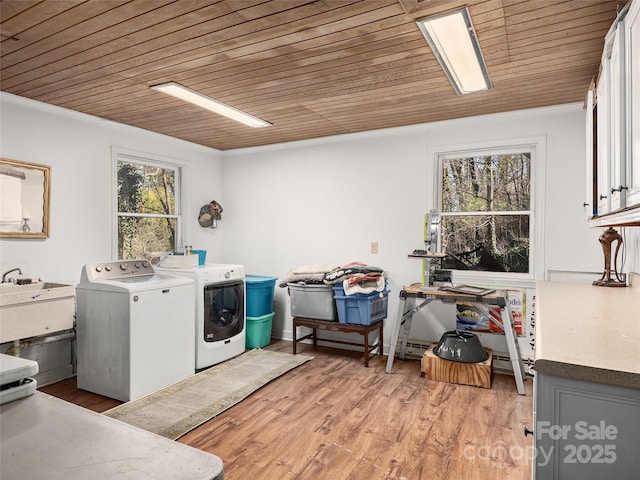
[[182, 199], [537, 146]]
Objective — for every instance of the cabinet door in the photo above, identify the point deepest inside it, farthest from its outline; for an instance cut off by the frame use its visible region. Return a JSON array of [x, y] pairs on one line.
[[591, 199], [585, 430], [617, 141], [632, 37], [602, 90], [612, 111]]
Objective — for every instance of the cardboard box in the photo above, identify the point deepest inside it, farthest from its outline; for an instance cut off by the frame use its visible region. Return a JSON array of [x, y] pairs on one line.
[[481, 317]]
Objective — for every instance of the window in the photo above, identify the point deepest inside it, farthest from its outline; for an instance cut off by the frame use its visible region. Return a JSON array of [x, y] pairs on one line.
[[487, 210], [148, 206]]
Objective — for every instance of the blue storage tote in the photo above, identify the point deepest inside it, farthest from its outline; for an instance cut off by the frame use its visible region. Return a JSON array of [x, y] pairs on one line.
[[259, 295], [361, 308], [258, 332]]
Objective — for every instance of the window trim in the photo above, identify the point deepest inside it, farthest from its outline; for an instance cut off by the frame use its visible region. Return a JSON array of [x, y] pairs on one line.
[[183, 199], [537, 145]]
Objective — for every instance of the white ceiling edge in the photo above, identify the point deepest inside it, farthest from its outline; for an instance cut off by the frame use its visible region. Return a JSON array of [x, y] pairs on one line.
[[92, 119], [406, 129]]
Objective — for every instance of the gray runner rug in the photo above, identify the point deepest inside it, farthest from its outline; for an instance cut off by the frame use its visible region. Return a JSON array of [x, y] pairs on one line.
[[179, 408]]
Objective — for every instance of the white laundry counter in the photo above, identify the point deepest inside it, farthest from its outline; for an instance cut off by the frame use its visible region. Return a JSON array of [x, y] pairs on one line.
[[43, 437]]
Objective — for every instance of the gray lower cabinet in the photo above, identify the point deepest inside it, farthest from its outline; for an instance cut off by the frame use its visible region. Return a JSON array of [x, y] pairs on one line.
[[585, 430]]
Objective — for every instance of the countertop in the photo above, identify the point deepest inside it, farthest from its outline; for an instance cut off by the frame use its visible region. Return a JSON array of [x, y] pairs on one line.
[[45, 437], [588, 333]]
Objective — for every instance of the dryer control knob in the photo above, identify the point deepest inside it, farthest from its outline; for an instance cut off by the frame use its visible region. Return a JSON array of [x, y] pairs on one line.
[[123, 266], [227, 274]]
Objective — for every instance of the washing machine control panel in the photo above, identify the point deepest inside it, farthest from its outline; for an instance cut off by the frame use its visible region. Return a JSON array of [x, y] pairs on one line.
[[214, 275], [118, 270]]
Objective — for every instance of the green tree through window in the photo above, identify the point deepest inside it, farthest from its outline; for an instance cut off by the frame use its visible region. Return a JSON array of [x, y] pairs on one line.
[[148, 213], [486, 212]]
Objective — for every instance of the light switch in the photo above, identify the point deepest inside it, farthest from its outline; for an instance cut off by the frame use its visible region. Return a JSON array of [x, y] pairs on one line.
[[374, 247]]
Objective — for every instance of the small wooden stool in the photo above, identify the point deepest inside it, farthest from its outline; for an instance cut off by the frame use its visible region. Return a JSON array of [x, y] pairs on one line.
[[363, 330], [441, 370]]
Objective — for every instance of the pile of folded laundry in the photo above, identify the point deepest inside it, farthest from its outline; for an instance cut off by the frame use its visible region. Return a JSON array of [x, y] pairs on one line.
[[356, 277]]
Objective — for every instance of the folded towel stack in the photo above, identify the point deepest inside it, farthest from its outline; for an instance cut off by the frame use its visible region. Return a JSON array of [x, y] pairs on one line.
[[356, 277], [308, 274]]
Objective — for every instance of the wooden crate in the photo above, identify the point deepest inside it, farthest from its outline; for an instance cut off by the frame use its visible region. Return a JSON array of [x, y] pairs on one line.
[[441, 370]]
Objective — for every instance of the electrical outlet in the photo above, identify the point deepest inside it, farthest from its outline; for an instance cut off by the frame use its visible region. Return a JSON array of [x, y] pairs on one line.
[[374, 247]]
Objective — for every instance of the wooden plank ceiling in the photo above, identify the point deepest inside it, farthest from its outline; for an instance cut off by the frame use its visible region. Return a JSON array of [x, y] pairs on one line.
[[311, 68]]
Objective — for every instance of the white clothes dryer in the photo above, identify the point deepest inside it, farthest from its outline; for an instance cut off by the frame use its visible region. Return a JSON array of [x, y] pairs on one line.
[[134, 329], [220, 308]]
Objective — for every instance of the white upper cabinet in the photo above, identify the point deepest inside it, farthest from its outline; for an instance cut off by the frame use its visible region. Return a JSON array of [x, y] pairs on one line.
[[617, 113], [603, 149], [615, 140], [632, 60]]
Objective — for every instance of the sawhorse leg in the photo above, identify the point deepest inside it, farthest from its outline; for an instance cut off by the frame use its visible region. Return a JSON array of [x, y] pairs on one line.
[[403, 321], [395, 332], [513, 346]]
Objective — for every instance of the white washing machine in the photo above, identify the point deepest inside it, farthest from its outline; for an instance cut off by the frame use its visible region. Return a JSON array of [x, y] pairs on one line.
[[219, 311], [134, 329]]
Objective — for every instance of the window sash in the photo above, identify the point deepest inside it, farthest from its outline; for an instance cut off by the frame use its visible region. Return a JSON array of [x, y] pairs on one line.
[[485, 213], [180, 171], [527, 148], [148, 215]]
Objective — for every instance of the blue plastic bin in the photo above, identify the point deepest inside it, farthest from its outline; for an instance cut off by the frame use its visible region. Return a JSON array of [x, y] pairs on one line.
[[361, 308], [259, 294], [202, 256]]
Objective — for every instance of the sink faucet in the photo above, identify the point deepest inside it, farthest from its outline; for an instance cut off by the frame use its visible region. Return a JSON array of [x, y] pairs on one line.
[[4, 275]]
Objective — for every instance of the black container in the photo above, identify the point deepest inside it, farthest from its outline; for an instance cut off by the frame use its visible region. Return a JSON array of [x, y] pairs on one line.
[[459, 346]]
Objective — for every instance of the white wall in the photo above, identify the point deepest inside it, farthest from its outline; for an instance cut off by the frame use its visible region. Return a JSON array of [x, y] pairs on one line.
[[78, 149]]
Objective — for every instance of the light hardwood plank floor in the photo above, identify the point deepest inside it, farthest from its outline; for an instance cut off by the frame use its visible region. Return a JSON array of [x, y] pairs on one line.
[[332, 418]]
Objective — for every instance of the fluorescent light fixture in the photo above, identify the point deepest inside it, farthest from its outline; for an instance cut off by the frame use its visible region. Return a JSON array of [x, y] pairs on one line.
[[453, 40], [191, 96]]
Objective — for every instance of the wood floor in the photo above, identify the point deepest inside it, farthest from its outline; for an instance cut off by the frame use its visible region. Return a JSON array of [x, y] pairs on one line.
[[332, 418]]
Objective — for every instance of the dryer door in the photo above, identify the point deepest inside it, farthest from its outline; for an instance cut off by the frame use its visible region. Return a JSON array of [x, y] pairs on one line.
[[223, 310]]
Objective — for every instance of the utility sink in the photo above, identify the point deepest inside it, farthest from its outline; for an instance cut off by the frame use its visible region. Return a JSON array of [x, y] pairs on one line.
[[35, 309]]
